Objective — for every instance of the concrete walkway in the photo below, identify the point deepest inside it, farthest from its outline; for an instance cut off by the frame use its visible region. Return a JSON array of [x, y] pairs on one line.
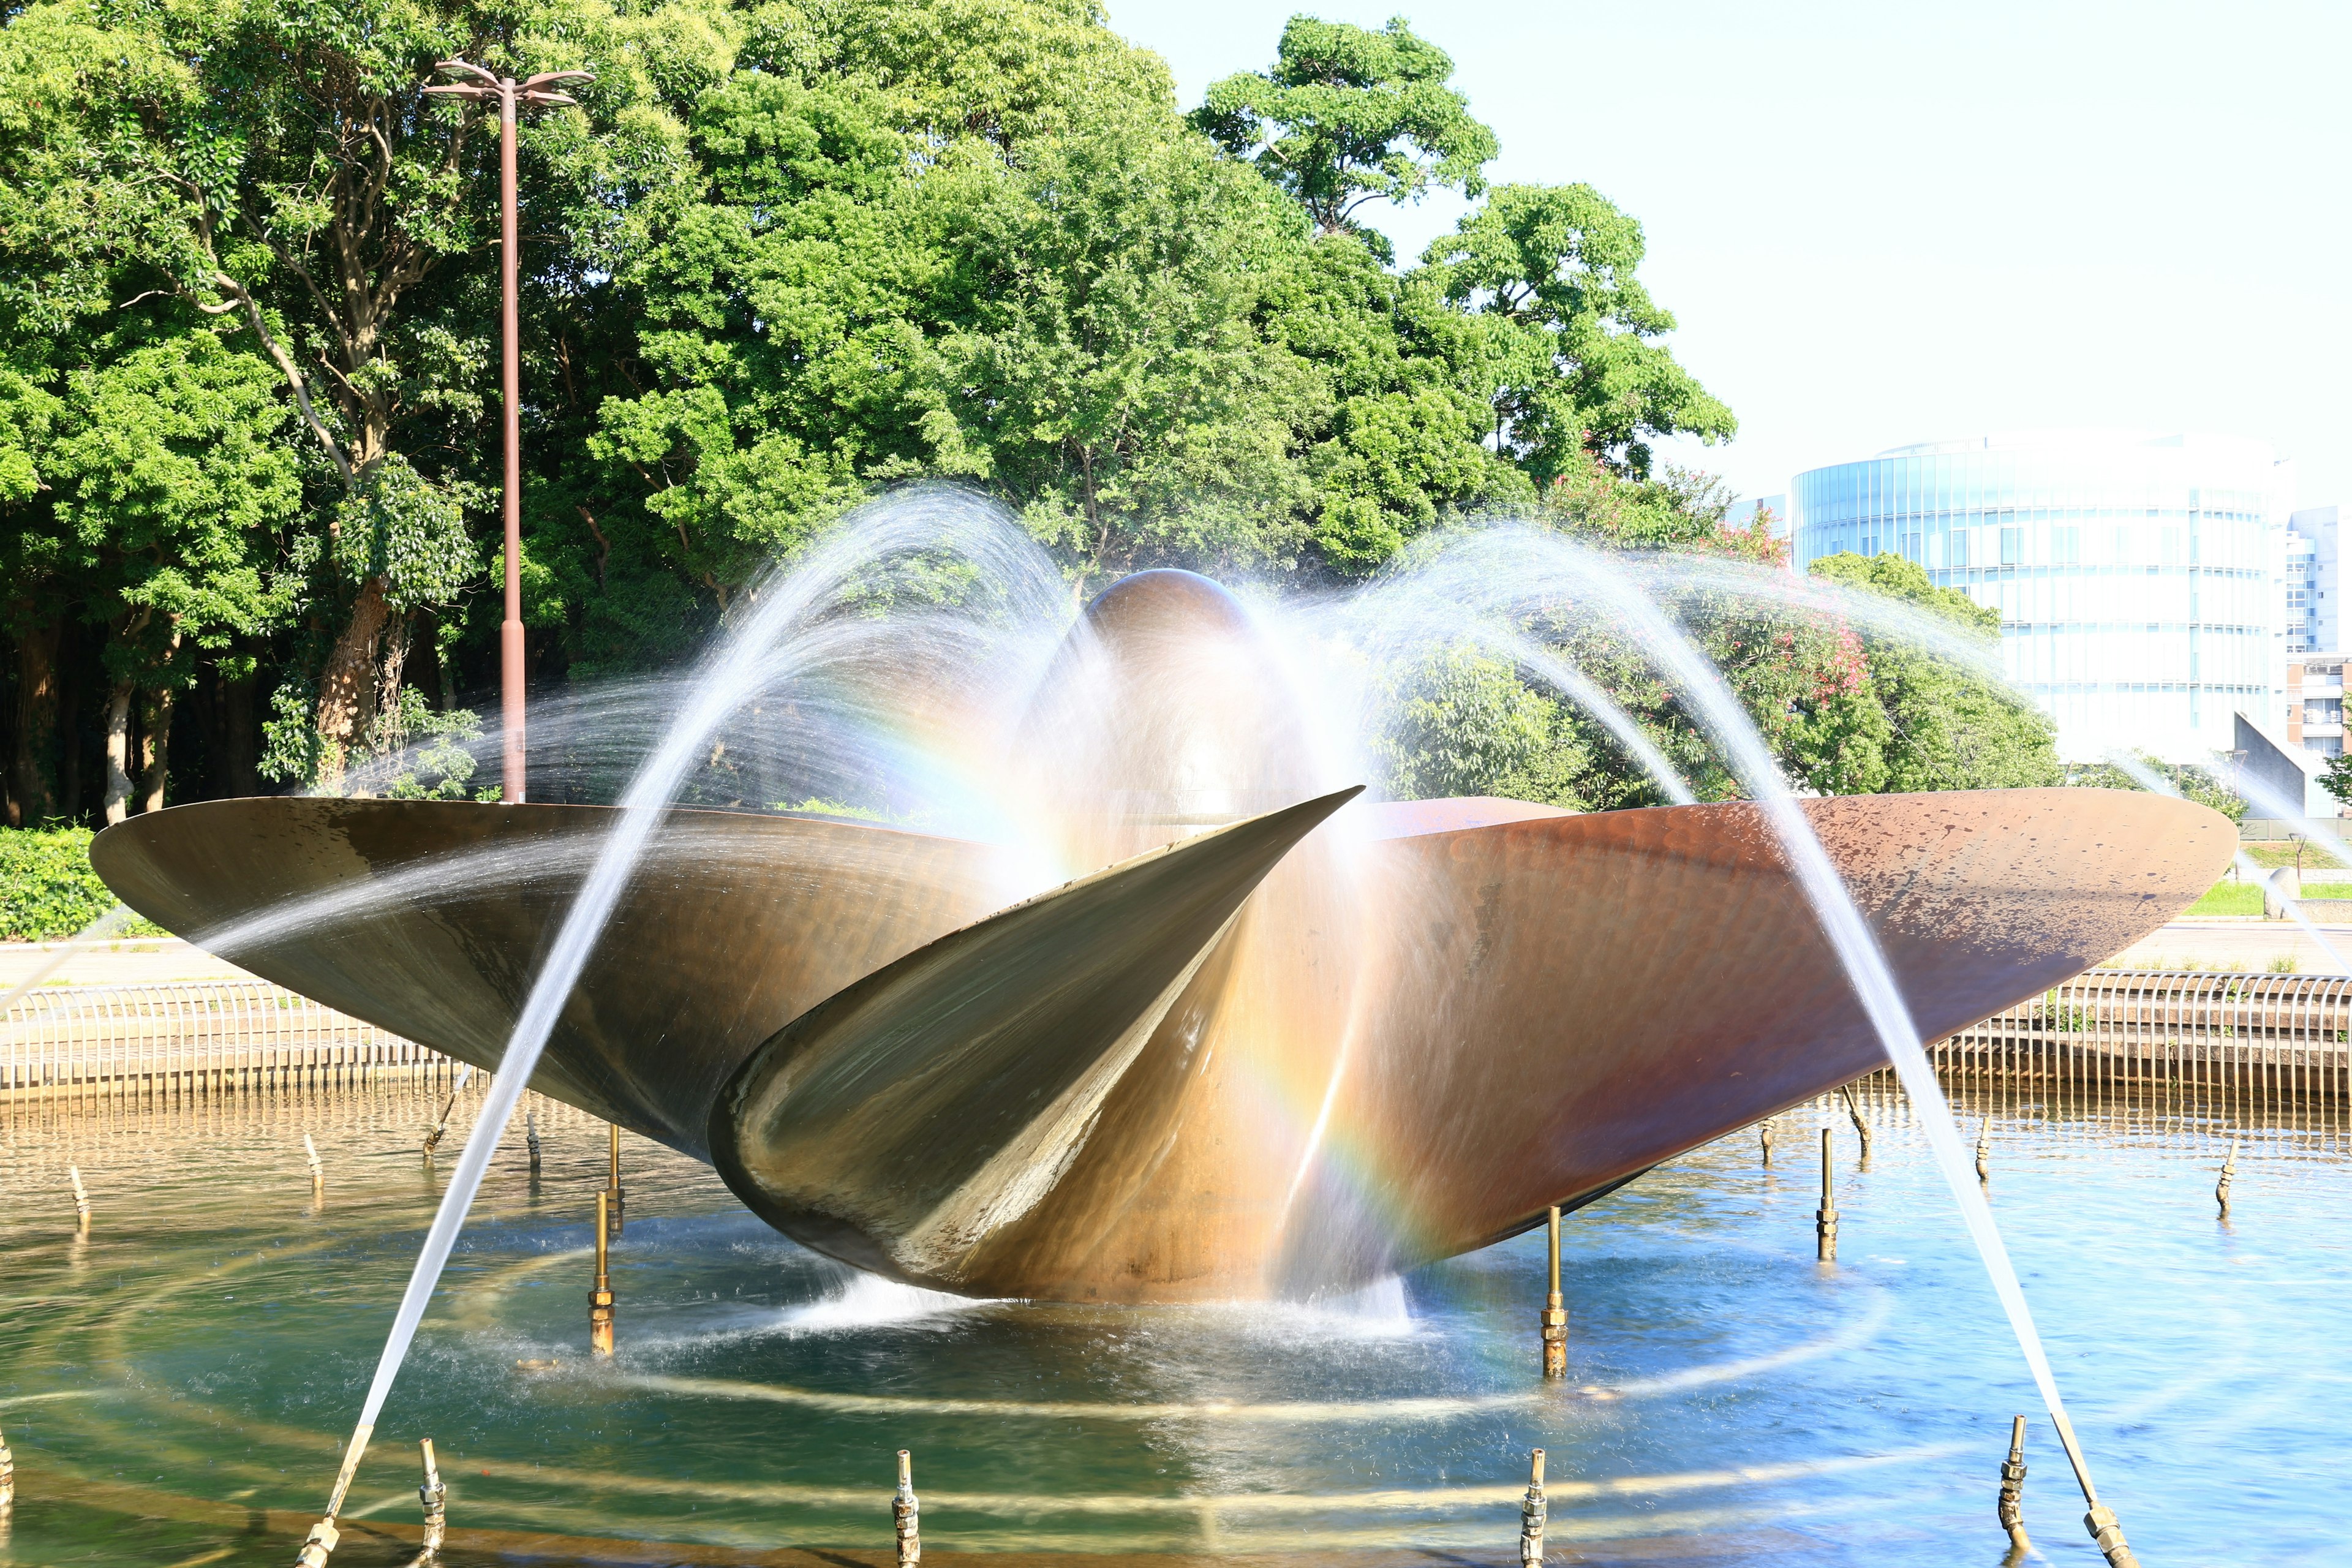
[[134, 960], [2248, 941]]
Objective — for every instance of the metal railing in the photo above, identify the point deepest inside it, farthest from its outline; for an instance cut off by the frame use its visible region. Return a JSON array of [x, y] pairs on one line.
[[2271, 1035], [207, 1035]]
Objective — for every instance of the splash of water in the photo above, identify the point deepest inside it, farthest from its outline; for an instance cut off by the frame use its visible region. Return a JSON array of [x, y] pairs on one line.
[[1504, 566], [104, 926], [750, 659]]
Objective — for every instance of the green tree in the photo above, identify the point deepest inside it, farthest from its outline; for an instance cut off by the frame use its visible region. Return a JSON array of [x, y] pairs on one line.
[[1577, 368], [1949, 727], [276, 166], [1461, 721], [1110, 378], [1349, 116]]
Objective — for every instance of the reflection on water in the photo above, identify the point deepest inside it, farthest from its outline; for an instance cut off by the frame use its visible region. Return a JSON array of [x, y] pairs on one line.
[[173, 1385]]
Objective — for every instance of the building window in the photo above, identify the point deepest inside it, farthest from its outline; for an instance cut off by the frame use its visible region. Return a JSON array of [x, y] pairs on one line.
[[2012, 546]]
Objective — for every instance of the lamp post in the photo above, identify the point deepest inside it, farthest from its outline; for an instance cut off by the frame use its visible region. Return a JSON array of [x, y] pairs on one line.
[[511, 94]]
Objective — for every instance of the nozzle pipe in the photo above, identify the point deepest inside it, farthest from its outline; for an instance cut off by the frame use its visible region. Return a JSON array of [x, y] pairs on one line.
[[1554, 1328], [82, 1199], [435, 1496], [600, 1300], [1861, 1127], [1825, 1219], [530, 1137], [906, 1514], [1984, 1150], [318, 1172], [613, 1180], [2229, 1174], [2012, 1509], [7, 1474], [1764, 1138], [1533, 1513]]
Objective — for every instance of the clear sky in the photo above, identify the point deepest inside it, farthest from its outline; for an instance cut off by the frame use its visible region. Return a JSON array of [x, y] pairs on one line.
[[1884, 223]]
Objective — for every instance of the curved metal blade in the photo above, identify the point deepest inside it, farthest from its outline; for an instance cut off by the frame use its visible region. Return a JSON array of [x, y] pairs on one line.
[[902, 1122]]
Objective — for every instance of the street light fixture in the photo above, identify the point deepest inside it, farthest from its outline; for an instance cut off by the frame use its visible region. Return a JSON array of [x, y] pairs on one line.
[[535, 92]]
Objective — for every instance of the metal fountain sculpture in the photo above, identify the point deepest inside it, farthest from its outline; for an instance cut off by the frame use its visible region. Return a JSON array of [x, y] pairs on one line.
[[1285, 1040]]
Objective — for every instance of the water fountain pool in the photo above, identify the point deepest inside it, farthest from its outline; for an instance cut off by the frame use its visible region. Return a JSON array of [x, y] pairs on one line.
[[174, 1386], [1089, 1094]]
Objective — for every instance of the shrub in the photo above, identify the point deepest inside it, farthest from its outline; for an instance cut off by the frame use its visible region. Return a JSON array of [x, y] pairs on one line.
[[48, 890]]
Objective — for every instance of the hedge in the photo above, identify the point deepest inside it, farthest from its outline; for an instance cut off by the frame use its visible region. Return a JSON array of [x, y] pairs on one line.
[[48, 890]]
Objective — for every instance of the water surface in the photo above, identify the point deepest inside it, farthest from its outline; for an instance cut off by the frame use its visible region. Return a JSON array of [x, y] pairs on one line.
[[176, 1387]]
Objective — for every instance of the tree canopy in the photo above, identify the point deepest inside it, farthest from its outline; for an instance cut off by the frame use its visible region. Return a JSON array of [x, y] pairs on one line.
[[783, 255]]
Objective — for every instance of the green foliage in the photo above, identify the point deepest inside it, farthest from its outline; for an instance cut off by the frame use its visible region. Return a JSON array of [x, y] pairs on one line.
[[48, 890], [1577, 367], [2337, 779], [1463, 722], [1349, 116], [1947, 727]]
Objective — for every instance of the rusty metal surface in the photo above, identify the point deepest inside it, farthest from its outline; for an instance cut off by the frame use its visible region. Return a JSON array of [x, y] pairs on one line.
[[429, 918], [910, 1123], [1428, 1021]]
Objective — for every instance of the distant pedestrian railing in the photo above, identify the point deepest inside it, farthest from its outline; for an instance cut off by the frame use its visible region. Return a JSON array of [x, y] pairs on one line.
[[197, 1034], [2273, 1033], [2283, 1035]]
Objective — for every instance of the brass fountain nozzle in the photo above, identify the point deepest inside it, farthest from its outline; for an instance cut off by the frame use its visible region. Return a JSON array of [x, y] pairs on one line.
[[1533, 1513], [2101, 1522], [1825, 1219], [1554, 1322], [435, 1495], [600, 1300], [2011, 1510], [906, 1514]]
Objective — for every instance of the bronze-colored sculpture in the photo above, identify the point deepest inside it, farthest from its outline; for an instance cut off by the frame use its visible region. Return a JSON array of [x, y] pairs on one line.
[[1287, 1041]]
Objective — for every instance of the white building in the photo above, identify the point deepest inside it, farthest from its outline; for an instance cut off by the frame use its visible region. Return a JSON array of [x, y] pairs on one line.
[[2314, 601], [2140, 579]]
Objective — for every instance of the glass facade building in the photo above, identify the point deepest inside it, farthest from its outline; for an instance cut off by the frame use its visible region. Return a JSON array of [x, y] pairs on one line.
[[2140, 579]]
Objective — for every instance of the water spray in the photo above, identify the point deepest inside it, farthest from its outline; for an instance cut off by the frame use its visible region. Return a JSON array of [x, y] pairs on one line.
[[1533, 1513], [1825, 1219], [906, 1514], [747, 661], [435, 1496], [104, 926], [2011, 1507], [7, 1475], [1851, 937], [1555, 1312], [600, 1300], [433, 1138], [318, 1172]]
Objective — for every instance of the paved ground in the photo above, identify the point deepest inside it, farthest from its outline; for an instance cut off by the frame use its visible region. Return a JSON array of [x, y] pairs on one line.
[[126, 963], [2243, 941]]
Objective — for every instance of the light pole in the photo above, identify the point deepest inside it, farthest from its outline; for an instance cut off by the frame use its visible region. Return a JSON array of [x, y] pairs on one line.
[[510, 94]]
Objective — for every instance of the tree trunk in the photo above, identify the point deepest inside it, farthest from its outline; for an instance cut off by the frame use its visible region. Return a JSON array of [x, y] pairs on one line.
[[155, 748], [34, 766], [240, 749], [71, 678], [118, 752], [347, 689]]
